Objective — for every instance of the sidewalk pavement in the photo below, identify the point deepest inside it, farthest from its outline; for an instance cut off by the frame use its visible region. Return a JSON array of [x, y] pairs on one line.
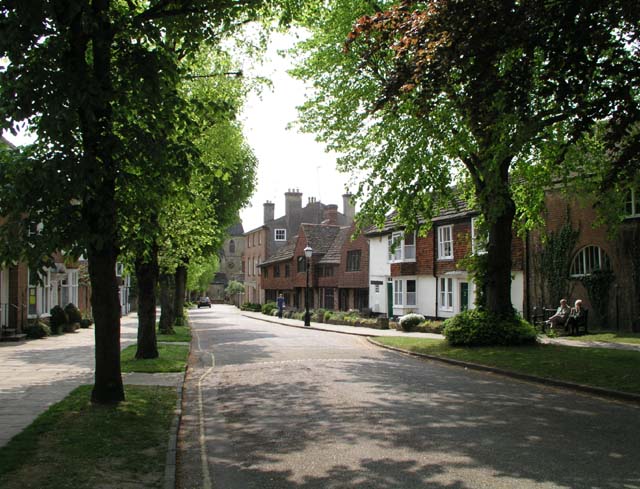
[[372, 332], [38, 373]]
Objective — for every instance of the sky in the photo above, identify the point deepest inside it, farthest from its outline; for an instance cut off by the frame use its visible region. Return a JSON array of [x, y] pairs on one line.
[[287, 158]]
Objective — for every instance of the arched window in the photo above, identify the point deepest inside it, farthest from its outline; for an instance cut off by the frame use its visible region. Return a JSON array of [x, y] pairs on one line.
[[589, 259], [232, 246]]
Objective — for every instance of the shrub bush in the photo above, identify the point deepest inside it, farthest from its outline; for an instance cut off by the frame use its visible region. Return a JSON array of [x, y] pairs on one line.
[[37, 329], [328, 316], [268, 308], [57, 320], [85, 323], [73, 313], [318, 315], [479, 328], [70, 327], [430, 327], [251, 306], [408, 322]]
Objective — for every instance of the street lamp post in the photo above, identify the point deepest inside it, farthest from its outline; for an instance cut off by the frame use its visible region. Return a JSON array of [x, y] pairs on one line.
[[308, 252]]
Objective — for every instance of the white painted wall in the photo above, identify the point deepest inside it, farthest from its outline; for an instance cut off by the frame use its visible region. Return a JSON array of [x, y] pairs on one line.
[[379, 270], [426, 288]]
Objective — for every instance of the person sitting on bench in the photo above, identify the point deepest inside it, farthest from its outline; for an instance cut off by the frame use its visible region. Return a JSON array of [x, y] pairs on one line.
[[577, 318], [561, 315]]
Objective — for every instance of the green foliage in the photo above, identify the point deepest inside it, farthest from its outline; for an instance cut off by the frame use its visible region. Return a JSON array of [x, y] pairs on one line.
[[318, 315], [430, 327], [85, 323], [250, 306], [57, 319], [409, 322], [37, 329], [555, 260], [598, 285], [268, 308], [73, 313], [480, 328], [200, 272], [234, 287]]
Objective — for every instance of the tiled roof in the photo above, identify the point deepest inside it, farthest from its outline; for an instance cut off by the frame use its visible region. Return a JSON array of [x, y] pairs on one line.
[[454, 210], [334, 253], [236, 229], [320, 236], [285, 252]]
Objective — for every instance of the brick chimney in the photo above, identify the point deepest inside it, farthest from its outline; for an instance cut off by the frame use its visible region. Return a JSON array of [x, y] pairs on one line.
[[331, 214], [349, 208], [269, 211], [292, 202]]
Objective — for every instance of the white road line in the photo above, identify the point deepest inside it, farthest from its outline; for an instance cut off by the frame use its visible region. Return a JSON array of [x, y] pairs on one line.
[[206, 474]]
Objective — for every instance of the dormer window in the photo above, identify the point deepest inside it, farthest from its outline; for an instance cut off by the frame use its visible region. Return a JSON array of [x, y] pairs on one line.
[[280, 235]]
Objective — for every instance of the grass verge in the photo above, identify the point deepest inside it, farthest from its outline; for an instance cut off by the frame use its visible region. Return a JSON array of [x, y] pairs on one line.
[[80, 445], [182, 334], [172, 358], [598, 367], [608, 337]]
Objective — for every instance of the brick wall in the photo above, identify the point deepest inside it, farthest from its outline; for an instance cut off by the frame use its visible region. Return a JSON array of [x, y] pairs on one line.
[[359, 279]]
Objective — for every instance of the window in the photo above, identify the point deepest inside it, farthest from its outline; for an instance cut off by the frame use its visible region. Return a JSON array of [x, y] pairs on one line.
[[119, 269], [632, 205], [377, 289], [445, 243], [69, 288], [353, 260], [589, 259], [281, 235], [302, 264], [287, 270], [232, 246], [276, 270], [325, 270], [260, 238], [405, 247], [256, 265], [39, 294], [397, 293], [478, 239], [411, 293], [265, 272], [327, 298], [446, 294]]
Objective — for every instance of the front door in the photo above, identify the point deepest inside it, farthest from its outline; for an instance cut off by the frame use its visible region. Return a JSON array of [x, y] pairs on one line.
[[389, 299], [464, 296]]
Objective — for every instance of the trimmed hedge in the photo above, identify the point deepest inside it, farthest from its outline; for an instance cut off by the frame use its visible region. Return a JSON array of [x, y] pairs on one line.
[[410, 321], [481, 328], [37, 329]]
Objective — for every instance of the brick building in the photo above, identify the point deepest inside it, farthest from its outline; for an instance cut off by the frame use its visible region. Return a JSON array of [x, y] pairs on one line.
[[615, 250], [411, 273], [338, 271], [266, 240]]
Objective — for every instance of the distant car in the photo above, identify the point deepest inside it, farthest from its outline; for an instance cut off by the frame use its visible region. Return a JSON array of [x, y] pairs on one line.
[[204, 302]]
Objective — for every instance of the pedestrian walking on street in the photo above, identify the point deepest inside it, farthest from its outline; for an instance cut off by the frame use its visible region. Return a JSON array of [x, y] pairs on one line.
[[280, 303]]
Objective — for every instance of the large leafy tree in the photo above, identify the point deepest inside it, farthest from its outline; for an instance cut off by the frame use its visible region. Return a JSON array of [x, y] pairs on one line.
[[69, 64], [489, 94]]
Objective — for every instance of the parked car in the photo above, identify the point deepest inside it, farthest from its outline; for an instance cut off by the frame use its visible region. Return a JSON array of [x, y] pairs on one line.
[[204, 302]]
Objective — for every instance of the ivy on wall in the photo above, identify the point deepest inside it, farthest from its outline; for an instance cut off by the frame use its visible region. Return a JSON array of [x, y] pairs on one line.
[[555, 260], [598, 285]]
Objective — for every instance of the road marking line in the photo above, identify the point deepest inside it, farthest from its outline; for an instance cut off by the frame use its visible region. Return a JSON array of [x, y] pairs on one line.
[[206, 474]]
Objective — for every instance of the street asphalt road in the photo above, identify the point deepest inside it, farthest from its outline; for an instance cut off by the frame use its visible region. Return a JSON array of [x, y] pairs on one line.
[[269, 406]]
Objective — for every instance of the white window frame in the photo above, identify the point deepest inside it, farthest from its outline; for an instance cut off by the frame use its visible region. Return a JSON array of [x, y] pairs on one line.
[[588, 259], [403, 252], [446, 294], [282, 233], [632, 202], [69, 285], [397, 292], [477, 246], [411, 297], [445, 242], [119, 269], [42, 295]]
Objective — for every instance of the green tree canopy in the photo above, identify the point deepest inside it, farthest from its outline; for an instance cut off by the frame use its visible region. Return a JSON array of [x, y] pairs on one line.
[[419, 95]]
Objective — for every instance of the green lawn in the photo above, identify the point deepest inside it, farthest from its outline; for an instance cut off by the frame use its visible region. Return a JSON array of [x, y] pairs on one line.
[[611, 369], [75, 444], [182, 334], [609, 337], [172, 358]]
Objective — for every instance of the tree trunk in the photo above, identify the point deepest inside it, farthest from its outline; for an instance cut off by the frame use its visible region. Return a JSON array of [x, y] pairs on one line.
[[99, 206], [167, 303], [497, 281], [181, 285], [105, 303], [147, 277]]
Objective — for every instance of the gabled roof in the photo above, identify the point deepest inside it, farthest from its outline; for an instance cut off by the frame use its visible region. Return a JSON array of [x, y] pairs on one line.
[[320, 236], [334, 253], [236, 229]]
